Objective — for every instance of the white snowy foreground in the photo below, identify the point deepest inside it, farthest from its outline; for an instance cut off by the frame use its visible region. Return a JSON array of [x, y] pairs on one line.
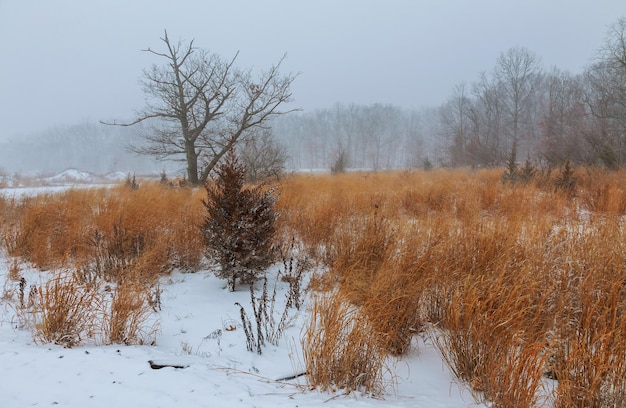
[[219, 371]]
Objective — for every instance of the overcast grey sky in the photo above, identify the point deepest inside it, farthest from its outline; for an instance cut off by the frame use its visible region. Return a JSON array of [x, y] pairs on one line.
[[67, 61]]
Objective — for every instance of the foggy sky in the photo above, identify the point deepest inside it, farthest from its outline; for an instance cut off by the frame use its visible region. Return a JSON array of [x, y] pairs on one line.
[[67, 61]]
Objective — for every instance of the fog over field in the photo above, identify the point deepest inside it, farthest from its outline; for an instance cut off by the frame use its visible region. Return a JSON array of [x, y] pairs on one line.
[[71, 64], [352, 203]]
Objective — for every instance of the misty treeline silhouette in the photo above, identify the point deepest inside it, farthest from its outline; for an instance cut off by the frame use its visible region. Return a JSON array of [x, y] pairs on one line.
[[547, 116], [103, 150], [86, 146], [551, 116]]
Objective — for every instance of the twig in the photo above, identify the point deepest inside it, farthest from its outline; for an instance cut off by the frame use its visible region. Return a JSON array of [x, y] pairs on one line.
[[293, 377]]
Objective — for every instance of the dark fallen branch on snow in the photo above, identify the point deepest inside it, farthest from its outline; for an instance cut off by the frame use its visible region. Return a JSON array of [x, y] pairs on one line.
[[158, 366], [293, 377]]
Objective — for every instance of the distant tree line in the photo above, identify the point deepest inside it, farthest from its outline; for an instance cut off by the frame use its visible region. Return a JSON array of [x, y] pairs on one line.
[[517, 108], [550, 116], [355, 136], [103, 150], [86, 146]]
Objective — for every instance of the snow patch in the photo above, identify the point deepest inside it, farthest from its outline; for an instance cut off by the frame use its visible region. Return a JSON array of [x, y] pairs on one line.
[[71, 175], [117, 176]]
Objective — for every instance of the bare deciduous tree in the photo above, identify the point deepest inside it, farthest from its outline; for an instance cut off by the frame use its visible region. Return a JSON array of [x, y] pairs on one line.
[[262, 156], [606, 96], [202, 105], [614, 50], [487, 116], [518, 75], [484, 131], [456, 126], [562, 124]]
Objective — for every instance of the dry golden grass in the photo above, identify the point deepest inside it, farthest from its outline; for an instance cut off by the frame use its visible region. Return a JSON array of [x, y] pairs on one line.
[[107, 232], [591, 357], [128, 237], [503, 276], [65, 311], [14, 270], [488, 337], [341, 350], [68, 311], [127, 319], [511, 281]]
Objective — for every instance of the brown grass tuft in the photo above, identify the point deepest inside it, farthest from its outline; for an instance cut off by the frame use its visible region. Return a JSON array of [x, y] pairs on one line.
[[127, 320], [590, 354], [65, 311], [14, 271], [341, 350]]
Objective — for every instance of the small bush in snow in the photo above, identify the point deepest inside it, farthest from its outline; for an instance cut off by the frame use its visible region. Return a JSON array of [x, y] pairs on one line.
[[239, 224]]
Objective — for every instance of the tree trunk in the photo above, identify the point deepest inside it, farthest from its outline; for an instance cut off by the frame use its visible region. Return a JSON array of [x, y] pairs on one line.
[[192, 163]]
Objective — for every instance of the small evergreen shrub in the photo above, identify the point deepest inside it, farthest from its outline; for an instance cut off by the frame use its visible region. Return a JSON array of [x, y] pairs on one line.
[[427, 165], [239, 224], [511, 173], [131, 182], [528, 172], [566, 182]]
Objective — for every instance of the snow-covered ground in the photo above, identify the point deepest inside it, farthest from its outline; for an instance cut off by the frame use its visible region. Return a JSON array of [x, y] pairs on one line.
[[220, 372], [11, 186], [17, 192]]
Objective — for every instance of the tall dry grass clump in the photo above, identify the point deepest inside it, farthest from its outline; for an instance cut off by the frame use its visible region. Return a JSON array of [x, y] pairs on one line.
[[588, 338], [484, 306], [314, 220], [318, 209], [591, 358], [341, 349], [145, 232], [392, 305], [358, 254], [46, 230], [392, 295], [127, 320], [65, 311], [484, 339], [603, 191]]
